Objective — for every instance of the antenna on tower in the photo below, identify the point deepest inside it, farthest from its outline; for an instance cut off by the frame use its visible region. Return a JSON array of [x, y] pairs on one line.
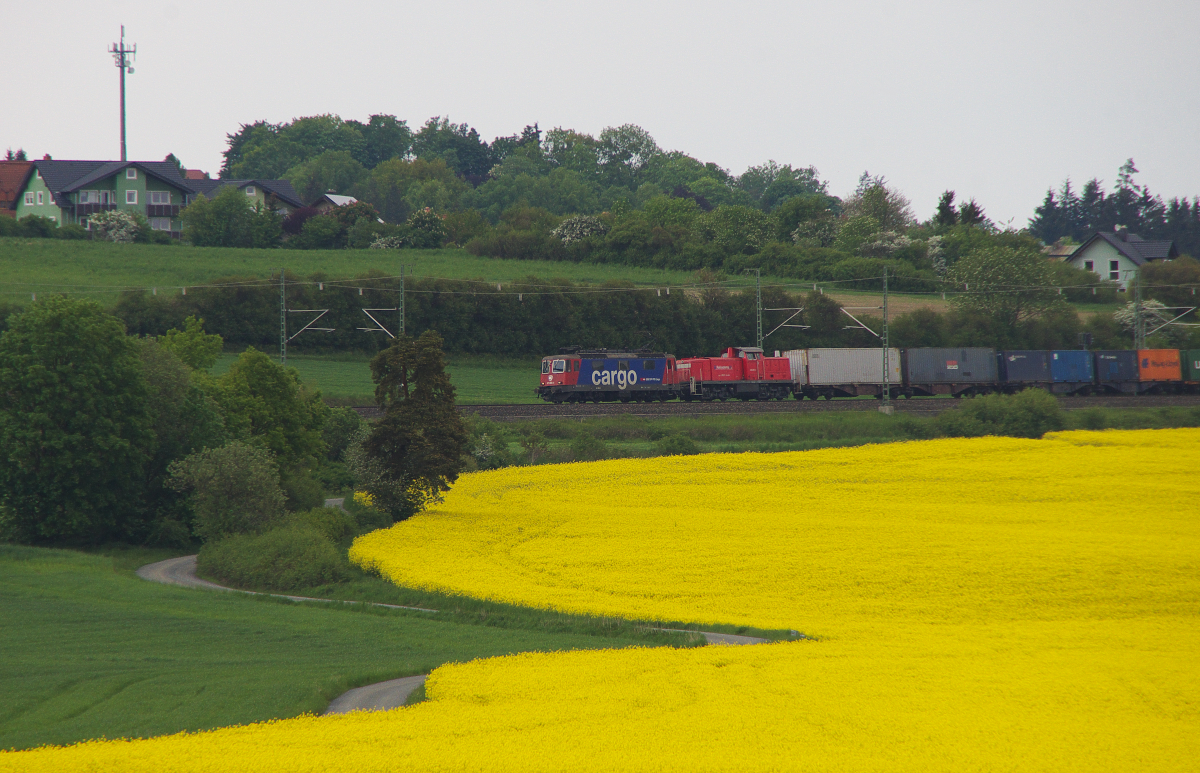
[[123, 58]]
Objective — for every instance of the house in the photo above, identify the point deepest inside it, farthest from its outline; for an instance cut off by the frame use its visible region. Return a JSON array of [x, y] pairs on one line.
[[12, 174], [1117, 256], [331, 200], [280, 191], [73, 191]]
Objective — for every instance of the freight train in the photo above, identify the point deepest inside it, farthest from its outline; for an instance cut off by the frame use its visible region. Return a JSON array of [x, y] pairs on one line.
[[747, 373]]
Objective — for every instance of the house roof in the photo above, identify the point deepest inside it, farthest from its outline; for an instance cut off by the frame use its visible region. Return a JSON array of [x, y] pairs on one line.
[[12, 177], [1138, 250], [163, 170], [195, 174], [66, 176], [281, 189], [336, 200]]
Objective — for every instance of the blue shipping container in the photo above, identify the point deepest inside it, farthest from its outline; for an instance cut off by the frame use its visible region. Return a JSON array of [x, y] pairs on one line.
[[1072, 366], [1025, 367]]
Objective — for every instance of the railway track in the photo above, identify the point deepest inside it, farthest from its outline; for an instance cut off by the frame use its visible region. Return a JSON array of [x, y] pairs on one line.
[[918, 406]]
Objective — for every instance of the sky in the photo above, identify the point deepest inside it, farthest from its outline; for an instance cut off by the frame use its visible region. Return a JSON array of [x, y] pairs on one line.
[[997, 101]]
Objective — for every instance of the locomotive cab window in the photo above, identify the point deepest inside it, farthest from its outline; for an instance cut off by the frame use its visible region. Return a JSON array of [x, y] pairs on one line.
[[623, 365], [575, 365], [545, 366], [560, 366]]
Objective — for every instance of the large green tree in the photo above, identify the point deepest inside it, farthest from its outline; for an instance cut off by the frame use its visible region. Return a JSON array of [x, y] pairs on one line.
[[229, 219], [74, 431], [415, 452], [1007, 284]]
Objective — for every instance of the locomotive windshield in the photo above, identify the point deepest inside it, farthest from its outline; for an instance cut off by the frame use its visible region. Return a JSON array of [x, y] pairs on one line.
[[560, 366], [545, 366]]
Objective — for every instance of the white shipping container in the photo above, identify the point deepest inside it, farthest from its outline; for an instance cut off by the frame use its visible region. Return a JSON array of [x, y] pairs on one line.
[[799, 360], [851, 366]]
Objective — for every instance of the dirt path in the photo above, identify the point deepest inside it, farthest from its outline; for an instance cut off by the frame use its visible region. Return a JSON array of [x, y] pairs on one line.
[[380, 696]]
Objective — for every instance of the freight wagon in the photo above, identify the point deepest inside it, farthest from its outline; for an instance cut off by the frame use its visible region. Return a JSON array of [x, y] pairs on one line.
[[832, 373], [954, 372]]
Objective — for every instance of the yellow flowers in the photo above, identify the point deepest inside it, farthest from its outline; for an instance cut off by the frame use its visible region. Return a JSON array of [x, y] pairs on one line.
[[978, 604], [364, 498]]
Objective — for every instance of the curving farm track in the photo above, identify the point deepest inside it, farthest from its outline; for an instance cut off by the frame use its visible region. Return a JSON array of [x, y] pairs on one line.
[[926, 406]]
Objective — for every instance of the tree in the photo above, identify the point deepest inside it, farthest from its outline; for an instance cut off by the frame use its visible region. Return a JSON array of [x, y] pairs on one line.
[[417, 448], [384, 137], [1006, 284], [946, 215], [888, 206], [458, 145], [623, 152], [265, 402], [193, 347], [73, 424], [229, 219], [234, 489], [970, 213], [333, 170]]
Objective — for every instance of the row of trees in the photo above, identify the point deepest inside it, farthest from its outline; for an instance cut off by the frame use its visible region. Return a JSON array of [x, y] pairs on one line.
[[1076, 215], [106, 436]]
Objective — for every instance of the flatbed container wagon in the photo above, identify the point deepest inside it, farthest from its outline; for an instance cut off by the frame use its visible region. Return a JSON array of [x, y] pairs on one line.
[[843, 372], [1024, 369], [1139, 371], [1189, 362], [955, 372], [1073, 371]]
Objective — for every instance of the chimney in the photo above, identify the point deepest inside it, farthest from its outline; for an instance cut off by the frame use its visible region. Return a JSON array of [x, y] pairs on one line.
[[46, 157], [1122, 232]]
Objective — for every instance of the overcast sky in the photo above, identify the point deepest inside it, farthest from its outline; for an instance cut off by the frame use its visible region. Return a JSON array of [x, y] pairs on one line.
[[997, 101]]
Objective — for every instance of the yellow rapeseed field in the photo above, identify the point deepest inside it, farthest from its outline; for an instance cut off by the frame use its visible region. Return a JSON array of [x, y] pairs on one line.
[[990, 604]]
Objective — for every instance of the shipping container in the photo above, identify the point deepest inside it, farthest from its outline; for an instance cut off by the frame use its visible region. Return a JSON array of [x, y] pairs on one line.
[[1158, 365], [798, 359], [1072, 366], [949, 371], [1189, 360], [1024, 367], [852, 366], [1117, 370]]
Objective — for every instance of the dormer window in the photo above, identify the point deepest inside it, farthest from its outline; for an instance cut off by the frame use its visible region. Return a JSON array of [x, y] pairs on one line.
[[131, 173], [250, 190]]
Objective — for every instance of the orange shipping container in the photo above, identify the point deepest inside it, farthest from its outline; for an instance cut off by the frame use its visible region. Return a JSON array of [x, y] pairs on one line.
[[1158, 365]]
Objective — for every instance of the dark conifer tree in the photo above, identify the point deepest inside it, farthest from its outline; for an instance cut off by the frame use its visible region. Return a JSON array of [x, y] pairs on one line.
[[946, 216]]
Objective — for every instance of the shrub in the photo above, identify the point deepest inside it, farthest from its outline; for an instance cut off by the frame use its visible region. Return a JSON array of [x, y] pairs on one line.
[[586, 447], [334, 523], [116, 225], [284, 559], [235, 489], [580, 227], [677, 445], [72, 232], [37, 227], [1029, 414], [340, 428]]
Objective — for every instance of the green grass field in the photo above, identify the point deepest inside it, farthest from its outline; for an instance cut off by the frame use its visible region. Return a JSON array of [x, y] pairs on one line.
[[346, 379], [87, 649], [103, 268]]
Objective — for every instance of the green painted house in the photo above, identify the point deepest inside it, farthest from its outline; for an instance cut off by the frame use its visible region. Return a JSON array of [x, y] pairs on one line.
[[74, 191]]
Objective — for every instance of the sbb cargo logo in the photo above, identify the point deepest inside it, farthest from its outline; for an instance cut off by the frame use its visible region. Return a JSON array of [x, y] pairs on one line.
[[622, 378]]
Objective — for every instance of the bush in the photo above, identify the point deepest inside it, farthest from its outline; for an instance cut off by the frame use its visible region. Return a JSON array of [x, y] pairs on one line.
[[235, 489], [586, 447], [340, 428], [117, 225], [72, 232], [1029, 414], [37, 227], [677, 445], [285, 559], [334, 523]]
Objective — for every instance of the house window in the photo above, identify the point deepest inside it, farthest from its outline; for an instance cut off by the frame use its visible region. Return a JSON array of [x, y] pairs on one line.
[[250, 190], [1089, 265], [1114, 269], [160, 197], [29, 199], [40, 201], [89, 197], [130, 174], [106, 197], [160, 224], [37, 173], [131, 197]]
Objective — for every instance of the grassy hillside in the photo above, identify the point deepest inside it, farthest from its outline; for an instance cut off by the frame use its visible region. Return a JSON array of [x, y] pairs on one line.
[[26, 264], [87, 649]]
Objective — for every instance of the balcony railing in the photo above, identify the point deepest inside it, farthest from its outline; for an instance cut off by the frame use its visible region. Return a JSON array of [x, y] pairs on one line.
[[162, 210], [93, 209]]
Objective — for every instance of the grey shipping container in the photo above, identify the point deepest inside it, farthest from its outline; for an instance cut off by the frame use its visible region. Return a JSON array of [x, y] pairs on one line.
[[799, 362], [1116, 366], [1025, 367], [949, 366], [852, 366]]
